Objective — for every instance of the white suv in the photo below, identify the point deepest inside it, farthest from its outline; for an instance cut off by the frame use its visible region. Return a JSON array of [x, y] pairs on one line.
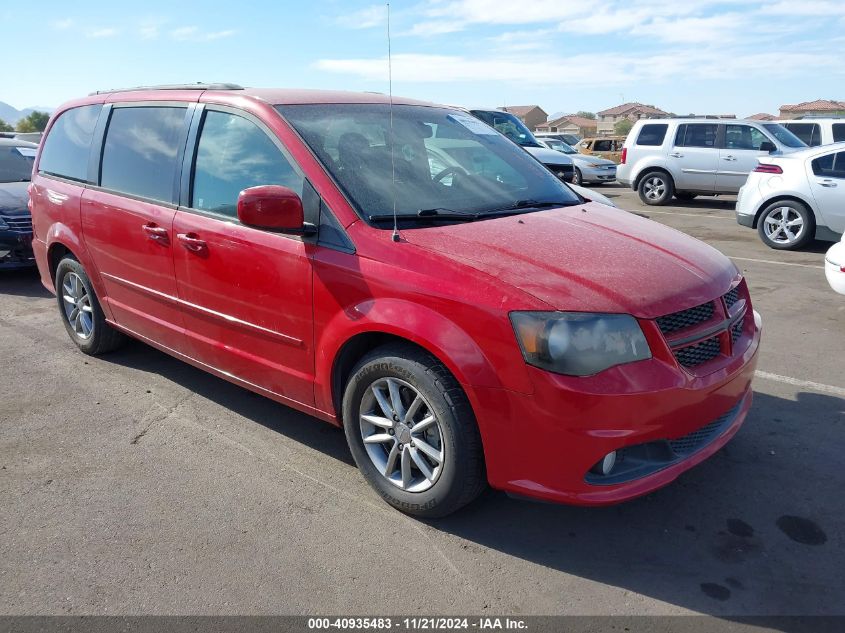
[[690, 157], [817, 131]]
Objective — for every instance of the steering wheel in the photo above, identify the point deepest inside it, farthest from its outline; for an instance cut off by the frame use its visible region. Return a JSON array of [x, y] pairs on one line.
[[453, 170]]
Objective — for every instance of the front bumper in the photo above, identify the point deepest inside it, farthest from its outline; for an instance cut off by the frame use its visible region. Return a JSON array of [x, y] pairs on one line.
[[834, 267], [16, 250], [543, 445], [598, 174]]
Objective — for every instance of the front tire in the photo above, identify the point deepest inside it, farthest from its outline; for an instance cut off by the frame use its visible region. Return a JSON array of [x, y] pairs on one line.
[[786, 225], [656, 188], [412, 432], [81, 312], [577, 178]]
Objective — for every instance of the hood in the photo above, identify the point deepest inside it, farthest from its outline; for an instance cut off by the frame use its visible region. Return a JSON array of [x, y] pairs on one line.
[[13, 198], [593, 160], [591, 194], [589, 257], [549, 156]]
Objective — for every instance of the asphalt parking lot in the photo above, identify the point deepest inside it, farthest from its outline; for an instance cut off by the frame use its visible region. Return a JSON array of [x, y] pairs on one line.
[[135, 484]]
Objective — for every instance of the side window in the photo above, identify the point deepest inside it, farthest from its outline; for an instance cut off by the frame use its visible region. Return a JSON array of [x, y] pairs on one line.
[[139, 155], [652, 134], [66, 148], [696, 135], [744, 137], [830, 166], [603, 146], [810, 133], [838, 132], [234, 154]]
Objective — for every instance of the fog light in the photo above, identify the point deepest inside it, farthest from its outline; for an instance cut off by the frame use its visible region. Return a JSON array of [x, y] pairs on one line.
[[605, 465]]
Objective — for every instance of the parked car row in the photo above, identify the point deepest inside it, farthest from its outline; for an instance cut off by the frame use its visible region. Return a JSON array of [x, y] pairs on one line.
[[16, 159]]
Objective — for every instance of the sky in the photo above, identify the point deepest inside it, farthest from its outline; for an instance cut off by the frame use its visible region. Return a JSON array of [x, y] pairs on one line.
[[703, 56]]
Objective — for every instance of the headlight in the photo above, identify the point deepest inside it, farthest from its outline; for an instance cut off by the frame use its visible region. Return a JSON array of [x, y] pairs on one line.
[[3, 225], [579, 343]]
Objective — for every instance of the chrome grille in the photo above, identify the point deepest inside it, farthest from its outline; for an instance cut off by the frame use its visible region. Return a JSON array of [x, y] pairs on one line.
[[699, 353], [685, 318], [22, 224]]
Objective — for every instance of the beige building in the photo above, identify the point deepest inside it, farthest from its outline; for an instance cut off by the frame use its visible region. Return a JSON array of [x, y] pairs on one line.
[[819, 107], [607, 119], [531, 115], [570, 124]]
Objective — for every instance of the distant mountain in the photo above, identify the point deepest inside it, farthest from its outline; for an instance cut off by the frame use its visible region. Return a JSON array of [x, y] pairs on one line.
[[11, 115]]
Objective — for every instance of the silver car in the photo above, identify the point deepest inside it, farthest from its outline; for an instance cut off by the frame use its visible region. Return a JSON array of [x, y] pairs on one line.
[[685, 158], [588, 169]]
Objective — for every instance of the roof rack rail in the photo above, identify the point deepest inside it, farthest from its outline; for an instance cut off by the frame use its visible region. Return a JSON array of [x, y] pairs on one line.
[[196, 86]]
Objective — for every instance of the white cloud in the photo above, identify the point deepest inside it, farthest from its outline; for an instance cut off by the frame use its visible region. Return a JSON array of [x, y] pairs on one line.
[[820, 8], [194, 34], [368, 17], [62, 25], [101, 33]]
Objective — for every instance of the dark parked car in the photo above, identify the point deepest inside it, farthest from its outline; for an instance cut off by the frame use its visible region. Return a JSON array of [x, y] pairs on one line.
[[16, 158]]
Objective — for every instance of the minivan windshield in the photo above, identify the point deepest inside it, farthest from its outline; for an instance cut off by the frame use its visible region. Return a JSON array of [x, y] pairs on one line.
[[446, 165], [16, 163], [783, 135], [508, 124]]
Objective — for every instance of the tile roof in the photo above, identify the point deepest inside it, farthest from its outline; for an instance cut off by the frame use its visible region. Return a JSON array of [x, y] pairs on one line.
[[580, 121], [627, 107], [522, 110], [818, 104], [762, 116]]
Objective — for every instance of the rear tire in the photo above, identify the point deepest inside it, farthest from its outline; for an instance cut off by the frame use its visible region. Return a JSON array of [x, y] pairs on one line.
[[81, 312], [656, 188], [379, 404], [786, 225]]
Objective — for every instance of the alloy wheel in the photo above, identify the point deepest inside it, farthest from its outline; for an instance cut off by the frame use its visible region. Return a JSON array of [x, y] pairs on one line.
[[654, 188], [77, 305], [784, 225], [402, 435]]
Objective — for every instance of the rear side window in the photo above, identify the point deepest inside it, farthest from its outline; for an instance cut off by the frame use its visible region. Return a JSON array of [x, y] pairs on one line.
[[139, 155], [696, 135], [603, 146], [810, 133], [830, 166], [652, 134], [66, 148], [838, 132], [234, 154]]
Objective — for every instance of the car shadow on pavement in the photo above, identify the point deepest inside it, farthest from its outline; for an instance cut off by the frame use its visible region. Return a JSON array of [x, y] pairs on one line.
[[297, 426], [752, 531], [23, 282]]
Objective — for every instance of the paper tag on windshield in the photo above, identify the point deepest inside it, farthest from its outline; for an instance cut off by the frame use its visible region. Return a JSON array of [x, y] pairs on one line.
[[472, 124], [27, 152]]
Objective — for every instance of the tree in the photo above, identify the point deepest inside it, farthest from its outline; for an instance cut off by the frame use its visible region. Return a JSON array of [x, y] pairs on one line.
[[586, 115], [35, 122], [5, 127], [622, 127]]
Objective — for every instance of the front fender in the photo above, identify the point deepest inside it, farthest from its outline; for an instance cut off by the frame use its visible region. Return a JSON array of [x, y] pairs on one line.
[[421, 325]]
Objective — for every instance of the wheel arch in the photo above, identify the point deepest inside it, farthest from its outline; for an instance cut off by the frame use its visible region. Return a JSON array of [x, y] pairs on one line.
[[647, 170]]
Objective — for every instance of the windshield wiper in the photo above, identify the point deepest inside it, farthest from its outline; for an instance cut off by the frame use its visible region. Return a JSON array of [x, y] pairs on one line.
[[435, 214], [537, 204]]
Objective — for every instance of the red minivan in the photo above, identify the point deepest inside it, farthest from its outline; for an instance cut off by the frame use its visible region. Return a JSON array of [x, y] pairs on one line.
[[403, 271]]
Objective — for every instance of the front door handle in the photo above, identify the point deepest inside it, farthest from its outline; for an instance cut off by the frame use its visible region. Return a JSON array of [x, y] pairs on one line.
[[827, 183], [156, 233], [676, 155], [729, 158], [191, 242]]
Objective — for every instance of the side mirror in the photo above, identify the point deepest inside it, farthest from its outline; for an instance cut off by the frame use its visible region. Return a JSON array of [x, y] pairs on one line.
[[274, 208], [768, 146]]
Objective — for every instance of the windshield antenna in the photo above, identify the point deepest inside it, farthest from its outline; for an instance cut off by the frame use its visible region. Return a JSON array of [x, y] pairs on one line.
[[395, 236]]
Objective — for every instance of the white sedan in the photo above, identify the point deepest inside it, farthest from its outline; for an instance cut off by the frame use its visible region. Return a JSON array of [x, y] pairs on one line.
[[834, 266], [794, 198]]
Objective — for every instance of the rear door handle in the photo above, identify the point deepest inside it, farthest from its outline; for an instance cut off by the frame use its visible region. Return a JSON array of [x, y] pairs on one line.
[[191, 242], [827, 183], [676, 155], [156, 233], [729, 157]]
